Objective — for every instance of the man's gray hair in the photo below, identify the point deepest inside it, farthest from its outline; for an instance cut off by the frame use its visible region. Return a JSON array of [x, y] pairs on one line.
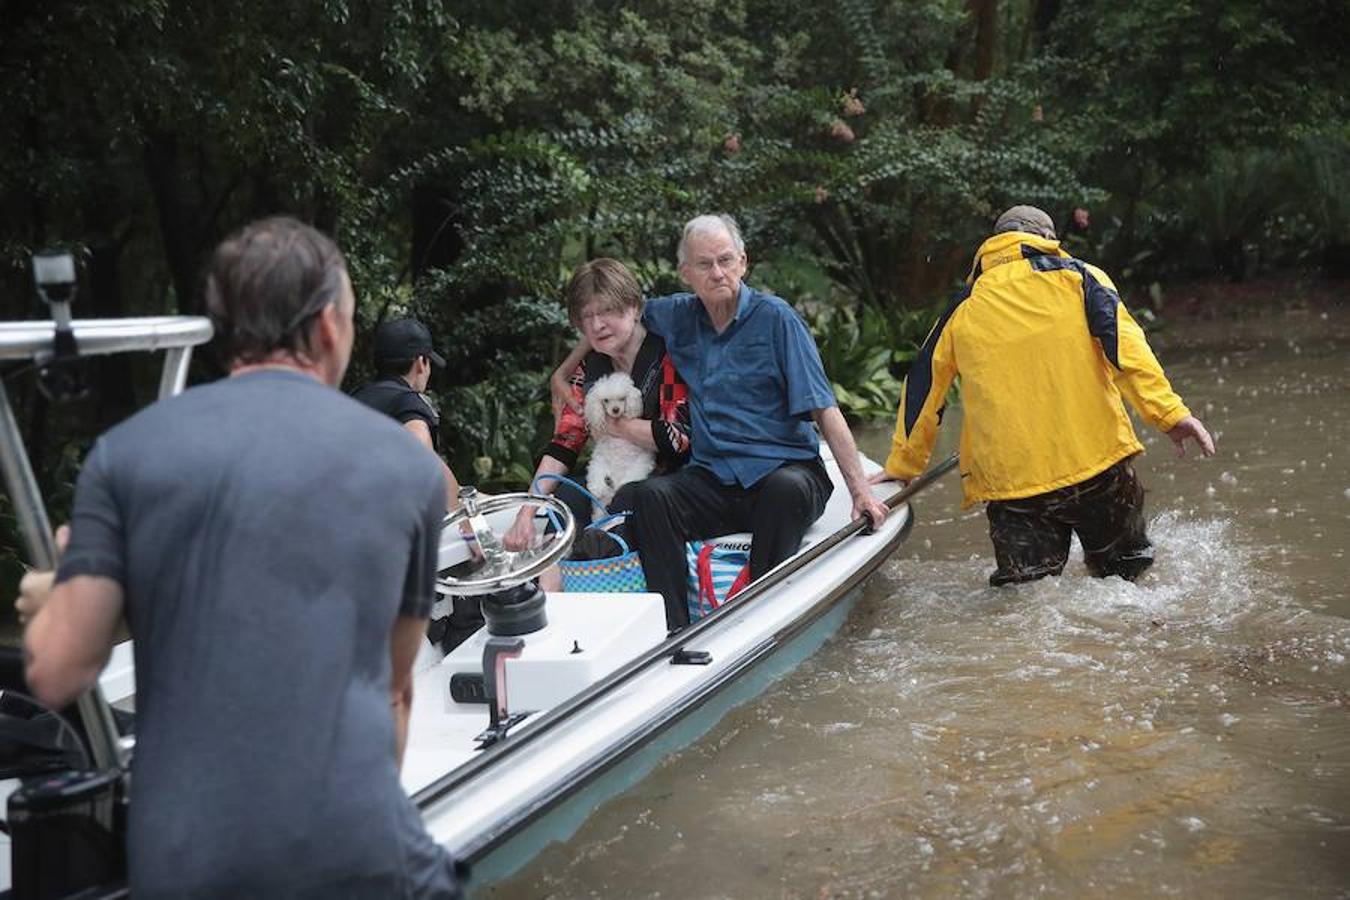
[[1026, 218], [718, 224]]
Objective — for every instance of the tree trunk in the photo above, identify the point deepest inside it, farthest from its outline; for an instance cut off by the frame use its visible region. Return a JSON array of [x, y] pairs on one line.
[[178, 217], [436, 243], [116, 391], [985, 14]]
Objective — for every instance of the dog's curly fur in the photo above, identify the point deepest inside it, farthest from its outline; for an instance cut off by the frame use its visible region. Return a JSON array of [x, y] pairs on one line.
[[614, 461]]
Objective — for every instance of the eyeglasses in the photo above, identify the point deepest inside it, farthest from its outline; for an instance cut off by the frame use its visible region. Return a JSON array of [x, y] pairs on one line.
[[723, 262], [609, 313]]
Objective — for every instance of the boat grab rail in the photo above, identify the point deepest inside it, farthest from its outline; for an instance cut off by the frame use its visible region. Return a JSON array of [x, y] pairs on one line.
[[37, 341], [668, 648]]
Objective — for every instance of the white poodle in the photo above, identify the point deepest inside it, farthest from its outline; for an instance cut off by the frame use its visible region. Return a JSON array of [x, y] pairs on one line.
[[614, 461]]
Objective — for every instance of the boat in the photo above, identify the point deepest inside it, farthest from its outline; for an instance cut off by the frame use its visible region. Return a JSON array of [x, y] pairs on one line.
[[519, 732]]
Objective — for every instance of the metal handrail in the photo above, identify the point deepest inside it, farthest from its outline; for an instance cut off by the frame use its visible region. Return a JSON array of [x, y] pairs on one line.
[[96, 337]]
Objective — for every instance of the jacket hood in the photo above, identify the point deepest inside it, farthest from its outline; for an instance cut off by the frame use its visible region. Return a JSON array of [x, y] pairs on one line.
[[1008, 247]]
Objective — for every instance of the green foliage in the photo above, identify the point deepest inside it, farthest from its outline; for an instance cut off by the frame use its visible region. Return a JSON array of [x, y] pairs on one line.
[[1319, 173], [858, 356], [864, 145], [517, 333], [496, 430], [11, 559], [1173, 108]]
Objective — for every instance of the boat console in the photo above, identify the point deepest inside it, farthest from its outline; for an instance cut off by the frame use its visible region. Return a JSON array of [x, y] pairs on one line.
[[587, 637], [535, 651]]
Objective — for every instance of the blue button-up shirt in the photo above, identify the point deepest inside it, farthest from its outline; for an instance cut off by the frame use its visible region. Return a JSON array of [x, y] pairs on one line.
[[752, 388]]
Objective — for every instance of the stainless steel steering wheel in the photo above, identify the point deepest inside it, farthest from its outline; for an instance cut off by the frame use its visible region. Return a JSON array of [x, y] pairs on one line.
[[501, 568]]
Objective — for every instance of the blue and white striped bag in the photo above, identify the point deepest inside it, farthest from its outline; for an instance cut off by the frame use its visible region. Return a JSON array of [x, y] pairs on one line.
[[728, 562]]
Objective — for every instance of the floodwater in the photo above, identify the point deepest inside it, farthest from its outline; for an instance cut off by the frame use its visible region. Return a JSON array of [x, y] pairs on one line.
[[1185, 736]]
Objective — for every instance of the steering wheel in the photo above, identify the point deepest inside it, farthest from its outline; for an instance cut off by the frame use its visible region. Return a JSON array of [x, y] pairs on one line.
[[501, 568]]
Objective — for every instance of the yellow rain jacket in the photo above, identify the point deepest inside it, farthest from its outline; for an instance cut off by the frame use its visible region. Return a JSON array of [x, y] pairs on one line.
[[1044, 349]]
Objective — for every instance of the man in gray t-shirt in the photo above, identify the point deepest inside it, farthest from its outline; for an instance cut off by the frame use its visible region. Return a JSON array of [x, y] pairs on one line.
[[272, 544]]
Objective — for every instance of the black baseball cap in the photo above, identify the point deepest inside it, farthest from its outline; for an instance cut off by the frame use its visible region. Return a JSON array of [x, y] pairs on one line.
[[399, 339]]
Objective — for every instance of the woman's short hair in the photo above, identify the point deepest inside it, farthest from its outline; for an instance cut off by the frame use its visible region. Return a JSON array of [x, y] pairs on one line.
[[265, 285], [605, 281]]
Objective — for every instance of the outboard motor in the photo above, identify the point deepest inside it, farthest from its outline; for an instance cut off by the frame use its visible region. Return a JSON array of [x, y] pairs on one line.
[[66, 820]]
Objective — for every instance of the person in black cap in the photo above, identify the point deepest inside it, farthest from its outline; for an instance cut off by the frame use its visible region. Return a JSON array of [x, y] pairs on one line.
[[404, 357]]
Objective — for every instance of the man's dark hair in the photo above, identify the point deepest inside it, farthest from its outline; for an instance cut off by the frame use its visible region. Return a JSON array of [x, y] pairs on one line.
[[265, 285], [395, 366]]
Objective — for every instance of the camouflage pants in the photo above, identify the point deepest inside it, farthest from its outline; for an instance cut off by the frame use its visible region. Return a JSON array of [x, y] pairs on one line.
[[1031, 534]]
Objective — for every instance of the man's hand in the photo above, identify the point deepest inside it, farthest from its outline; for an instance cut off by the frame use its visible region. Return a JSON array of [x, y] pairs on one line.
[[831, 423], [36, 586], [865, 504], [1193, 428]]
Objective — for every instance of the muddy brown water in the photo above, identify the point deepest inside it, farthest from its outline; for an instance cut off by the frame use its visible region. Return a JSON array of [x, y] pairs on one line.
[[1185, 736]]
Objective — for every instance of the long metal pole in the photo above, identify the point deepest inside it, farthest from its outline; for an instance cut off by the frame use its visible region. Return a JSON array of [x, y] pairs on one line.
[[23, 492], [95, 713]]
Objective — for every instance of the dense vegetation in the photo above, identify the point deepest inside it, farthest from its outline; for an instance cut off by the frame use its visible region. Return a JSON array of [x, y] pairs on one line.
[[468, 155]]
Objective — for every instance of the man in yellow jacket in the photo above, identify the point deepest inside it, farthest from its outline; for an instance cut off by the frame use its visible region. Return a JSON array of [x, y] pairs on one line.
[[1044, 350]]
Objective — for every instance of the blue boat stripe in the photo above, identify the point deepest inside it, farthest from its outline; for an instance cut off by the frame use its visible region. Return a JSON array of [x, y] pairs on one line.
[[919, 380], [1099, 302]]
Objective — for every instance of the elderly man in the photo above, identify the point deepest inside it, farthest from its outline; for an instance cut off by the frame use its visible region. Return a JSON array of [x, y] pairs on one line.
[[273, 545], [756, 384], [1044, 350]]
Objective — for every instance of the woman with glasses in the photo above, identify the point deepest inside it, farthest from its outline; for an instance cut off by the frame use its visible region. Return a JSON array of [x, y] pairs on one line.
[[604, 302]]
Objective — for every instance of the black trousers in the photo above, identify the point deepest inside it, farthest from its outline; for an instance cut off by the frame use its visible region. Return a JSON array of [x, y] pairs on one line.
[[692, 504], [1031, 535]]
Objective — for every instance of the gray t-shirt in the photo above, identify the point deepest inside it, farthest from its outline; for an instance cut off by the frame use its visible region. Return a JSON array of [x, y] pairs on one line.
[[266, 530]]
